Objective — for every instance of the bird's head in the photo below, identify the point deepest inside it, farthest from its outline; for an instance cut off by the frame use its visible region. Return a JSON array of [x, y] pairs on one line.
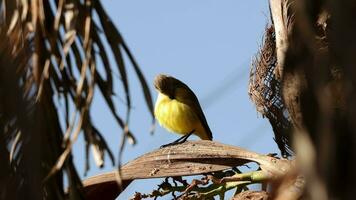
[[166, 85]]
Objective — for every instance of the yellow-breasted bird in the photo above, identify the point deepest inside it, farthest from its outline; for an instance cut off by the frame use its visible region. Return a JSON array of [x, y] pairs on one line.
[[178, 110]]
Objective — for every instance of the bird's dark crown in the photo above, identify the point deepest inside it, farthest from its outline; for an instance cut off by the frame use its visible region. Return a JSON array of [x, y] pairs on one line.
[[166, 84]]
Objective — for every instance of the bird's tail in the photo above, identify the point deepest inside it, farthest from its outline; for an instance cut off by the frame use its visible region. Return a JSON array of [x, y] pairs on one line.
[[204, 133]]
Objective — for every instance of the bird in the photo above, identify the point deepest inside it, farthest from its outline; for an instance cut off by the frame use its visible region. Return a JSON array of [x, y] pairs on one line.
[[178, 110]]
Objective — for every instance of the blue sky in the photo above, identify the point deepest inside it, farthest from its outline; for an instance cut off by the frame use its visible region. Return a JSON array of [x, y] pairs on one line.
[[208, 45]]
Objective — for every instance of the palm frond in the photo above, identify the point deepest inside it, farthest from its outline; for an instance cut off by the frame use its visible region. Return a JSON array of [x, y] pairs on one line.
[[51, 56]]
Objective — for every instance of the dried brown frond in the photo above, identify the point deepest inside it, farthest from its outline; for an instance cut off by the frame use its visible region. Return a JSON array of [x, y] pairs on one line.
[[17, 114], [54, 54], [266, 92], [216, 161]]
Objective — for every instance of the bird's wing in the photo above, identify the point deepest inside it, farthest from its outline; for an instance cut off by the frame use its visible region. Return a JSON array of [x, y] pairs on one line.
[[192, 101]]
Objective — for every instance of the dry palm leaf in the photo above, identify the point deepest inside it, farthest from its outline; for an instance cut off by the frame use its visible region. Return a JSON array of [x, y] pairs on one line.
[[67, 45], [189, 158]]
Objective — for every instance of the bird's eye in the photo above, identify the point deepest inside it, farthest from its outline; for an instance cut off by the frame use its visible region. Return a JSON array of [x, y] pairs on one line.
[[171, 96]]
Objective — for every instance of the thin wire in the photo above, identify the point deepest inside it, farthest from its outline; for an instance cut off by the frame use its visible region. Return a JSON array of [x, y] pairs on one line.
[[250, 137], [230, 80]]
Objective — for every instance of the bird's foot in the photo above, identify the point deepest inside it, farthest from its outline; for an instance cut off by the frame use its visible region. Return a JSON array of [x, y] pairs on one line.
[[179, 141], [172, 144]]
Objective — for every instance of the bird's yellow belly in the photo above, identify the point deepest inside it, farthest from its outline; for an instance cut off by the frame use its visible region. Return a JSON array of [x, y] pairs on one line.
[[175, 116]]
